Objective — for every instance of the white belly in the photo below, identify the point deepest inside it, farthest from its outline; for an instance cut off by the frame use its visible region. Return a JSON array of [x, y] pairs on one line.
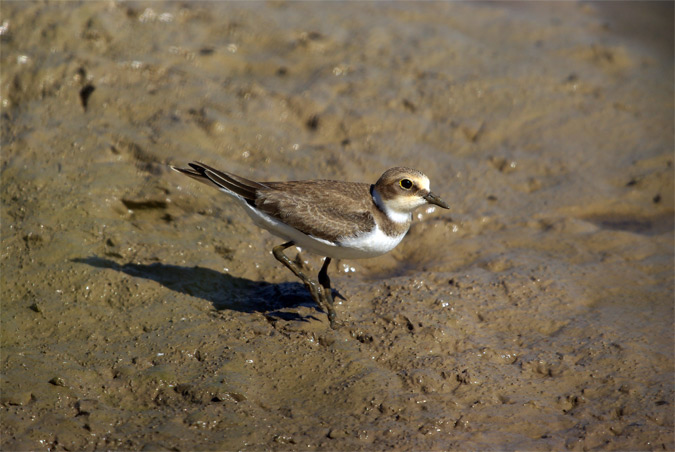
[[375, 243]]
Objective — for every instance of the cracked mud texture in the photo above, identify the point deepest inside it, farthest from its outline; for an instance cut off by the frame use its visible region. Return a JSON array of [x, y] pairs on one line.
[[141, 310]]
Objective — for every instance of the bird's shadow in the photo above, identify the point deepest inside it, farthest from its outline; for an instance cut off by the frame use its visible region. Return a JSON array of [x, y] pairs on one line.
[[224, 291]]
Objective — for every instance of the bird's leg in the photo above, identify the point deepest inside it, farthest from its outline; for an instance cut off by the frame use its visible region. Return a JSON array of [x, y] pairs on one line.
[[324, 280], [313, 288], [316, 291]]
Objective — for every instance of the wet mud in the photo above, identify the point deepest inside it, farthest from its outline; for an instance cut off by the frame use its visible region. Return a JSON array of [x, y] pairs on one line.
[[143, 311]]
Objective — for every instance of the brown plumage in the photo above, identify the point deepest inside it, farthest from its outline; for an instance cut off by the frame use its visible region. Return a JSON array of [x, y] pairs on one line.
[[312, 207]]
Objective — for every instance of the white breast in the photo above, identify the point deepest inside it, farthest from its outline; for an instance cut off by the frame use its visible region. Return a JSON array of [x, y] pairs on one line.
[[372, 244]]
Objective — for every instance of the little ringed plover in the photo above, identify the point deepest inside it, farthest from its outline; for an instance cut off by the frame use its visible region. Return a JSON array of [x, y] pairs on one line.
[[334, 219]]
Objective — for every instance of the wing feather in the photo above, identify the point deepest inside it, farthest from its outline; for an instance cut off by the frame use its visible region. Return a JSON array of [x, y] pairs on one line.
[[330, 210]]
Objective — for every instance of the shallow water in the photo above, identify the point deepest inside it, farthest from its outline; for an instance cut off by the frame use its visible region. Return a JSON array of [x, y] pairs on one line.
[[143, 310]]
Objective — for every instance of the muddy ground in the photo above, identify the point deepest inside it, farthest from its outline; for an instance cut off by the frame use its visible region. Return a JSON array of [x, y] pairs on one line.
[[141, 310]]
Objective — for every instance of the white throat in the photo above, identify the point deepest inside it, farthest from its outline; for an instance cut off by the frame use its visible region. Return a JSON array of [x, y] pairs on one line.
[[393, 215]]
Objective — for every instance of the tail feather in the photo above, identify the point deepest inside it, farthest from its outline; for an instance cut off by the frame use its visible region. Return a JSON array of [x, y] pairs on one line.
[[231, 182]]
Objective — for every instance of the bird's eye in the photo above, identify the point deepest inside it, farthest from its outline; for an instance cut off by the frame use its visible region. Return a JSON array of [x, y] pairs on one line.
[[406, 184]]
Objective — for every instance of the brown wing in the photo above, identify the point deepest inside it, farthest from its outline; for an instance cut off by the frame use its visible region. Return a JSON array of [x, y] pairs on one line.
[[330, 210]]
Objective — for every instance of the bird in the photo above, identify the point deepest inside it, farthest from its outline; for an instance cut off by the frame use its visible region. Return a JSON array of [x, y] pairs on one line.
[[333, 219]]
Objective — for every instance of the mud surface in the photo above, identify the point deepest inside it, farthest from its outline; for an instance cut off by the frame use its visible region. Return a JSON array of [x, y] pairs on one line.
[[141, 310]]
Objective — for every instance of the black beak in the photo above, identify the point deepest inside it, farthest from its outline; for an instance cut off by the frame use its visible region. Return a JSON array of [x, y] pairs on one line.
[[433, 199]]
